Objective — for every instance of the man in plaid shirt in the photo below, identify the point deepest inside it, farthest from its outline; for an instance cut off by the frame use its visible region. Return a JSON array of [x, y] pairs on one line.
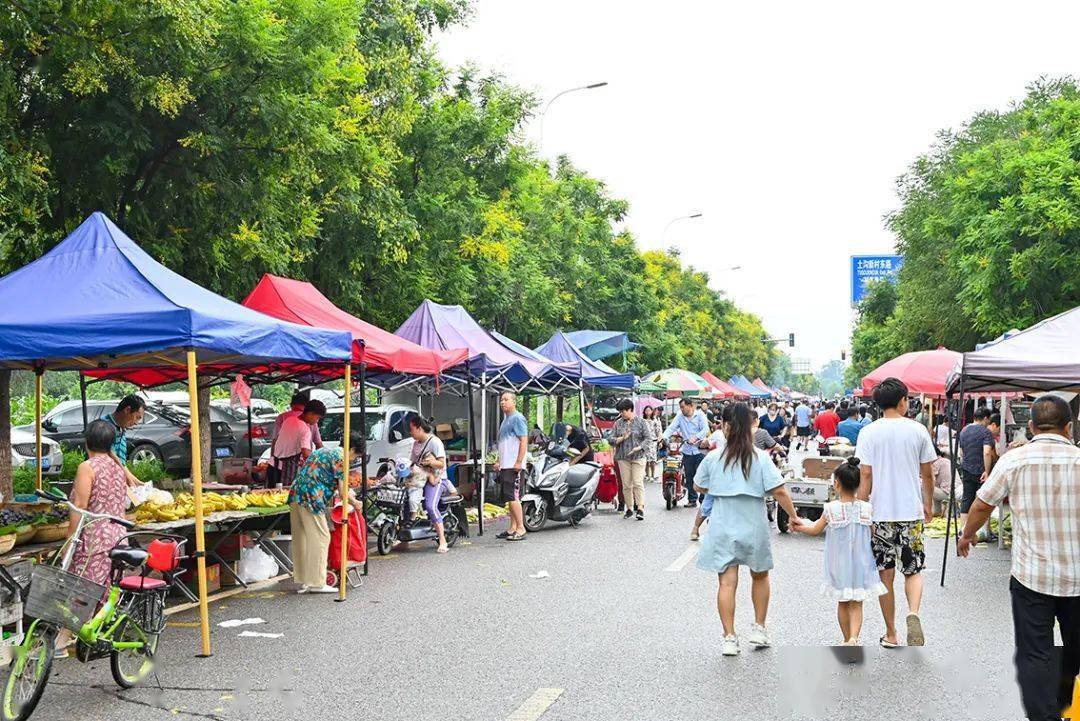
[[1042, 481]]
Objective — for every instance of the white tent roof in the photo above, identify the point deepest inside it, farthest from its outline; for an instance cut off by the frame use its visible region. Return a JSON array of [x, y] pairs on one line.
[[1044, 357]]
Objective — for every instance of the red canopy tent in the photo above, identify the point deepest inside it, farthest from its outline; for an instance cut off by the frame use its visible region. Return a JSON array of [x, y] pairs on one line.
[[300, 302], [723, 388], [924, 372]]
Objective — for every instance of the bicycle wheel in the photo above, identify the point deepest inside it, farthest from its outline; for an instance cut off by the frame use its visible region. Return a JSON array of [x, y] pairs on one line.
[[130, 666], [29, 672]]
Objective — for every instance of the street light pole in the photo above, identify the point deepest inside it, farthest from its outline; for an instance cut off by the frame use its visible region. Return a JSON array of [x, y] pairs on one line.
[[673, 221], [543, 113]]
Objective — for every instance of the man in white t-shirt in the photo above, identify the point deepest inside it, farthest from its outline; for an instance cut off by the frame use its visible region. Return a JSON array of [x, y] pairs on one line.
[[897, 478]]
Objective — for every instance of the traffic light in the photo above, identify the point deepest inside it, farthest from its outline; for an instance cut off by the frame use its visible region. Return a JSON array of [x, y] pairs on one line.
[[843, 355], [791, 340]]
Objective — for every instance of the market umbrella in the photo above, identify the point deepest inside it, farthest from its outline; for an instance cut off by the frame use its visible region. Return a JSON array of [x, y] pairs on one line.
[[924, 372], [675, 380]]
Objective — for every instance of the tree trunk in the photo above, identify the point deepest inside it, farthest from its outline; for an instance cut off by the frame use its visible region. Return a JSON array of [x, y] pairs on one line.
[[7, 492], [204, 431]]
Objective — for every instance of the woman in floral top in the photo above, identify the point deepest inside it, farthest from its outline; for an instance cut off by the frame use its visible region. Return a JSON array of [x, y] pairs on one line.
[[312, 494]]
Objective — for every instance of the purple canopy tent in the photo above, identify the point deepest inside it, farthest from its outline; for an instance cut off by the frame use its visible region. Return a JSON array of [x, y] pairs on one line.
[[492, 364], [561, 349]]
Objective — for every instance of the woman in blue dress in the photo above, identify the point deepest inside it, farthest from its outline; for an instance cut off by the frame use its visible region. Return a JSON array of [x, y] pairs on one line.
[[739, 476]]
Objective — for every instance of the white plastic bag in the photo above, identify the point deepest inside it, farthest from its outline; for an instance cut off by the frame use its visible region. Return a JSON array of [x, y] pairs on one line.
[[256, 565]]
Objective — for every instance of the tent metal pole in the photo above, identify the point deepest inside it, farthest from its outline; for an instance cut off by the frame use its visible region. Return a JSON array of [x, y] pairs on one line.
[[483, 442], [954, 450], [82, 396], [363, 448], [251, 439], [196, 482], [472, 458], [38, 377], [581, 406], [343, 572]]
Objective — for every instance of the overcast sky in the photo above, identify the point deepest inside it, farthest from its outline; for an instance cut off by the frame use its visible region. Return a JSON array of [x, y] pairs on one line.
[[785, 123]]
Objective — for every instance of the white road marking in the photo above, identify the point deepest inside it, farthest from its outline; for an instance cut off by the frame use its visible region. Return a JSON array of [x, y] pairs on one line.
[[686, 557], [536, 705]]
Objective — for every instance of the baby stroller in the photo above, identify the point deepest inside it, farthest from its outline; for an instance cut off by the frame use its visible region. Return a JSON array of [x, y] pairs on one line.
[[357, 550]]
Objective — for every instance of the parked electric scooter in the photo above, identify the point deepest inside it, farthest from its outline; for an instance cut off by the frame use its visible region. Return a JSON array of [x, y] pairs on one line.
[[396, 512], [556, 490], [673, 474]]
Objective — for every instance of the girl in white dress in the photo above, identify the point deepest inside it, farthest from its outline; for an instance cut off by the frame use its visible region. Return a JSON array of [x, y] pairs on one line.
[[851, 574]]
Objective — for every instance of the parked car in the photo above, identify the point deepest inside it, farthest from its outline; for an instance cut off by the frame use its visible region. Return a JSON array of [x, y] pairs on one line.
[[164, 433], [262, 427], [24, 452], [387, 433]]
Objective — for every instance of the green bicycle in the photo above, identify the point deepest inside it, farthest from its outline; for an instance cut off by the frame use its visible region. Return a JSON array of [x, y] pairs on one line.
[[126, 627]]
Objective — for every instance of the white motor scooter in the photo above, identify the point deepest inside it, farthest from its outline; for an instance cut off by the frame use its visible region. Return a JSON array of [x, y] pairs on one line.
[[556, 490]]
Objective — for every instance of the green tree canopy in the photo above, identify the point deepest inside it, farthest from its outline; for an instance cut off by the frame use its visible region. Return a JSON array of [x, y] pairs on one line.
[[989, 225]]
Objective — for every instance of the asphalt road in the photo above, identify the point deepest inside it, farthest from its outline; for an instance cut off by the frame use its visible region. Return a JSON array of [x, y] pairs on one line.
[[618, 631]]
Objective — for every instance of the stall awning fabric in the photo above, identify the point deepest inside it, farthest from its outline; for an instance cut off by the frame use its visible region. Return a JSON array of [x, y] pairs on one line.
[[1044, 357], [560, 349], [443, 327], [758, 383], [601, 344], [300, 302], [674, 381], [723, 388], [753, 391], [98, 301], [923, 372]]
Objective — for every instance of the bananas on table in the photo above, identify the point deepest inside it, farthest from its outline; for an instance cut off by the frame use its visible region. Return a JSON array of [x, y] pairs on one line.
[[183, 505]]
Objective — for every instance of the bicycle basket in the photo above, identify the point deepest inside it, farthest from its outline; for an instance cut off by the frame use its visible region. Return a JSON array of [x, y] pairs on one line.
[[390, 494], [62, 598]]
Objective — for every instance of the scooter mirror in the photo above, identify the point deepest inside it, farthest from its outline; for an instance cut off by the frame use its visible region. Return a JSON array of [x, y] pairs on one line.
[[558, 432]]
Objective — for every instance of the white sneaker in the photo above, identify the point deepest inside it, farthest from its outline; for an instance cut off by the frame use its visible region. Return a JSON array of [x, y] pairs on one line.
[[731, 646], [323, 589], [759, 637], [303, 588]]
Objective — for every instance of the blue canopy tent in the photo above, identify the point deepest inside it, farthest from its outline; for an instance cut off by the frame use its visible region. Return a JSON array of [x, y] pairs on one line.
[[601, 344], [743, 384], [118, 313]]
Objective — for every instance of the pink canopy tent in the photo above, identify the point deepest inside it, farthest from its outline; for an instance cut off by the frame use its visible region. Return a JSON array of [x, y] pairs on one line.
[[723, 388], [758, 383]]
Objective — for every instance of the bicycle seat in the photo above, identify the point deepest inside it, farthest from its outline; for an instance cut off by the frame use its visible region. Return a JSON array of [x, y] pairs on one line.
[[127, 557], [141, 583]]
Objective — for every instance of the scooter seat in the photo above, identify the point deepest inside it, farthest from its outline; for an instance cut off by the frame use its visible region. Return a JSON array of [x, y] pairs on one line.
[[579, 474]]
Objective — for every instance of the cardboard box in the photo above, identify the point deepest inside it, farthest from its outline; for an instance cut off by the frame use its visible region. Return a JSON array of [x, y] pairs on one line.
[[821, 468], [445, 431], [190, 577], [228, 580]]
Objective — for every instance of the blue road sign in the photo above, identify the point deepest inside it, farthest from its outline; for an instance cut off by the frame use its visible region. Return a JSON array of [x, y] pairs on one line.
[[865, 269]]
